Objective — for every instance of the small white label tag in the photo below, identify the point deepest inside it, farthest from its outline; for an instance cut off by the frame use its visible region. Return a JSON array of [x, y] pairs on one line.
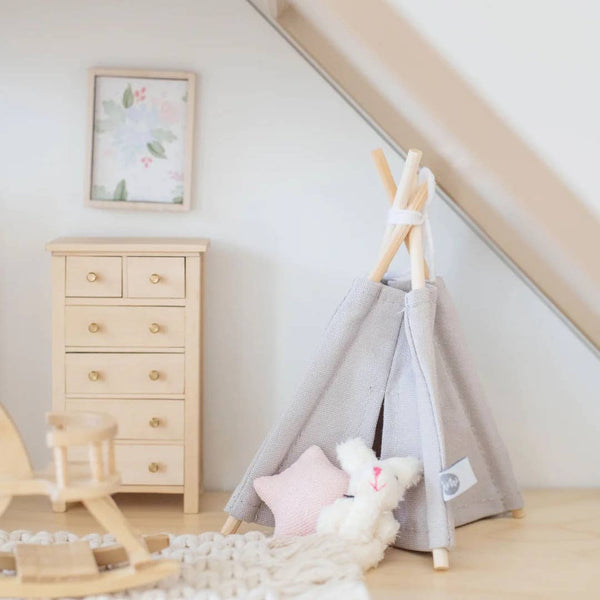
[[457, 479]]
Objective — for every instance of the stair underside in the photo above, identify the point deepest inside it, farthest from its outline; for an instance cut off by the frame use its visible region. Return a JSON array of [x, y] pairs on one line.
[[493, 180]]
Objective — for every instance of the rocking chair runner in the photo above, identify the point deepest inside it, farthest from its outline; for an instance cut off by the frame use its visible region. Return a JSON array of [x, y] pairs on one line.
[[74, 569]]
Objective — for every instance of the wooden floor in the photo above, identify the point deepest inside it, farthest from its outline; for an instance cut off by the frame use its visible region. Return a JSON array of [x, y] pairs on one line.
[[553, 553]]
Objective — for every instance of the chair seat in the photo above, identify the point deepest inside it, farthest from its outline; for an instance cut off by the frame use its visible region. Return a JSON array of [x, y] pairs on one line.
[[105, 556], [80, 485], [38, 563]]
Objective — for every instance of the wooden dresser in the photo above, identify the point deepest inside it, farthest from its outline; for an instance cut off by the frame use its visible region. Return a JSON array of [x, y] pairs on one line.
[[127, 340]]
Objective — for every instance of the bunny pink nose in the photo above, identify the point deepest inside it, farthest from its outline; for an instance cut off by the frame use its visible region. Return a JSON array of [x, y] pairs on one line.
[[375, 486]]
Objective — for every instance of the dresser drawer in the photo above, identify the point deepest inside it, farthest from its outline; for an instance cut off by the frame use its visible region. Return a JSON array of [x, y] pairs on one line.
[[142, 464], [124, 373], [149, 464], [137, 326], [149, 420], [155, 277], [93, 276]]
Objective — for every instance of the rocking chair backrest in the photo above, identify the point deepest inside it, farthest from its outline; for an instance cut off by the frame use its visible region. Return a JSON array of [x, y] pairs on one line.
[[79, 428], [14, 459], [95, 430]]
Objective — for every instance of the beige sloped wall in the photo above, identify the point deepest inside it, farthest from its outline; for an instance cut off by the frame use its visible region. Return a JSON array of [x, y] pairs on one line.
[[417, 97]]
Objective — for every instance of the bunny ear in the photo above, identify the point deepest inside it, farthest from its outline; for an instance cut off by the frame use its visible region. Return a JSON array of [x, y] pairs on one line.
[[354, 454], [408, 470]]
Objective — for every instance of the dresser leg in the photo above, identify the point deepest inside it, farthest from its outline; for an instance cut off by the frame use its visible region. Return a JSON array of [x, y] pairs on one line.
[[59, 507], [191, 501]]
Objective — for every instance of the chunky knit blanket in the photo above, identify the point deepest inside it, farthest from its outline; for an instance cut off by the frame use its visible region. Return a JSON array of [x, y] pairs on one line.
[[250, 566]]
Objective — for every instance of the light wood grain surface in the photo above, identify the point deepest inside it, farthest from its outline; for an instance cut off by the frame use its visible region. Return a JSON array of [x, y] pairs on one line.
[[96, 276], [553, 553], [129, 335], [155, 277], [148, 420], [102, 373], [189, 138], [124, 326], [125, 245]]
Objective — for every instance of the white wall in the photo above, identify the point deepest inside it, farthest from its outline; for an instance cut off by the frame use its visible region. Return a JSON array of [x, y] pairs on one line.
[[285, 188], [536, 64]]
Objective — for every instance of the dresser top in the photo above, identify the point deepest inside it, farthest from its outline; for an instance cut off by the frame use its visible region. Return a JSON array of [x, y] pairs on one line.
[[127, 244]]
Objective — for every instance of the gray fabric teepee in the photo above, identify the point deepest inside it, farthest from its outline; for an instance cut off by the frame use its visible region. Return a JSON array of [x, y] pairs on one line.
[[387, 344]]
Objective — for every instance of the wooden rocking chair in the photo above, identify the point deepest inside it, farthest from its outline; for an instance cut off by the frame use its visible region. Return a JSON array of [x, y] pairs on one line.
[[74, 569]]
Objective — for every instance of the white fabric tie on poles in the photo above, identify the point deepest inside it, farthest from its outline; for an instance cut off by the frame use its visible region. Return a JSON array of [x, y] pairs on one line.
[[403, 216], [400, 216]]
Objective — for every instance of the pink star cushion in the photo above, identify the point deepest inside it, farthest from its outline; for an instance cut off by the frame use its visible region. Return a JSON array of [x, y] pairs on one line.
[[297, 495]]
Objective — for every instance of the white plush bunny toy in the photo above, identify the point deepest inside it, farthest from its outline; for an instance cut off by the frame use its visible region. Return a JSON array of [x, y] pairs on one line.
[[364, 515]]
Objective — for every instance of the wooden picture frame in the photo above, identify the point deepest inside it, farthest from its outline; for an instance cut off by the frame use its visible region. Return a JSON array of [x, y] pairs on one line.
[[141, 131]]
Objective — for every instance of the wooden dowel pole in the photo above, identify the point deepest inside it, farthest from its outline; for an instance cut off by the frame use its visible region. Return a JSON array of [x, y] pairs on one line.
[[60, 466], [389, 185], [385, 173], [96, 461], [111, 457], [417, 261], [414, 243], [231, 525], [403, 192], [398, 236], [441, 561]]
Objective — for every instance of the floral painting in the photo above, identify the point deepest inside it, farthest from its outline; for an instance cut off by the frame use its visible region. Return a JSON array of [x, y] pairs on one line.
[[139, 134]]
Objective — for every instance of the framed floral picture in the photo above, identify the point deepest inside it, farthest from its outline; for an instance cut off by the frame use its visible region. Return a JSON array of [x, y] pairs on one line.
[[140, 139]]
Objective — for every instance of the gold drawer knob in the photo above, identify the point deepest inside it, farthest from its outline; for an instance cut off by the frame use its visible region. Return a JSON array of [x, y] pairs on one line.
[[154, 328], [153, 467], [93, 375], [154, 375], [154, 278], [154, 422], [93, 328], [91, 277]]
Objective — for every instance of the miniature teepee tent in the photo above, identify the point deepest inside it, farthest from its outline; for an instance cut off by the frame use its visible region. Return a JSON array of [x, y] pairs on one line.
[[392, 365]]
